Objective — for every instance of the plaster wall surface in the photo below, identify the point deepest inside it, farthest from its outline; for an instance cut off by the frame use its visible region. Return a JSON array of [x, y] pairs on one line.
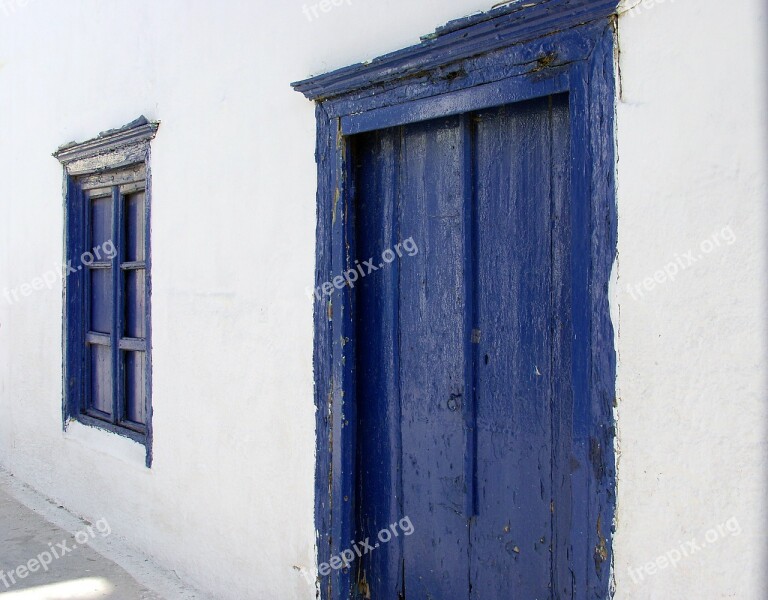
[[228, 503]]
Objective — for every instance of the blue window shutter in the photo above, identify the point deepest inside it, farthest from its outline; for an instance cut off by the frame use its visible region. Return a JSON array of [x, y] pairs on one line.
[[74, 302], [107, 363]]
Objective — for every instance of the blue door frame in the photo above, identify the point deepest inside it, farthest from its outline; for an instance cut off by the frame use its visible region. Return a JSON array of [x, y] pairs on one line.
[[512, 54]]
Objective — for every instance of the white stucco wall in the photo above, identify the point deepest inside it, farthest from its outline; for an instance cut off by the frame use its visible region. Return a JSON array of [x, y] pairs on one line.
[[692, 352], [228, 503]]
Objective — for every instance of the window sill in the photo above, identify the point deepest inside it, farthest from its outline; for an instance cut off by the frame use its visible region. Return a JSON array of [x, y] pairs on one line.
[[101, 440]]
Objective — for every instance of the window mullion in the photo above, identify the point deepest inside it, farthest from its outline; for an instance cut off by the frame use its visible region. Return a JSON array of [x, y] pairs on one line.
[[117, 294], [82, 235]]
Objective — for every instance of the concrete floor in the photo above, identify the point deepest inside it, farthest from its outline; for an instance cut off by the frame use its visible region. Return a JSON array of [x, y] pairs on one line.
[[74, 570]]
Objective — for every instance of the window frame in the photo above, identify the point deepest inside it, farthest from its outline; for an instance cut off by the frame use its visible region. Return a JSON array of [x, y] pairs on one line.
[[115, 164]]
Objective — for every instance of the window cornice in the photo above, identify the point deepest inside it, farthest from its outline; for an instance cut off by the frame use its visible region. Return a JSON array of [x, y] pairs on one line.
[[111, 149]]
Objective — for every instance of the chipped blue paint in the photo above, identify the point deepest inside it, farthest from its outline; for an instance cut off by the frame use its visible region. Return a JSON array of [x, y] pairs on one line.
[[560, 51], [107, 302]]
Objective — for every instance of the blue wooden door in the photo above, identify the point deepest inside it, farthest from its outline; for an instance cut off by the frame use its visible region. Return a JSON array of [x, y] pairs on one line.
[[463, 359]]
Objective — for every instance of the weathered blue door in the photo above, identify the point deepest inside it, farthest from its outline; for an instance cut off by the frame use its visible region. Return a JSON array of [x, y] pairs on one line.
[[463, 355]]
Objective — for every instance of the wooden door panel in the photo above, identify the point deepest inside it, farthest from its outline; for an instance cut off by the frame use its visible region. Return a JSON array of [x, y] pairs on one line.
[[512, 533], [432, 338], [378, 487], [462, 386]]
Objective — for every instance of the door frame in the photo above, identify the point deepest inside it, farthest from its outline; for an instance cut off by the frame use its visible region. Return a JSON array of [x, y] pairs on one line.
[[511, 54]]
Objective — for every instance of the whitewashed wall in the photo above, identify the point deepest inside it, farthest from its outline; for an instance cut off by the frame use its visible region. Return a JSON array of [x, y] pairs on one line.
[[228, 503], [692, 386]]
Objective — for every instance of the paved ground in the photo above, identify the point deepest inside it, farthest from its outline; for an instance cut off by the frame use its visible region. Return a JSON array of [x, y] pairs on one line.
[[40, 560]]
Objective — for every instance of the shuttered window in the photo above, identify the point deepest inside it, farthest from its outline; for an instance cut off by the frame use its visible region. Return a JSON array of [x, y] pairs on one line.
[[107, 284], [116, 308]]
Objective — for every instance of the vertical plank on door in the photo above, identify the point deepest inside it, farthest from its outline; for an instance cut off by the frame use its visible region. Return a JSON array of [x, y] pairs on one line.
[[511, 537], [562, 350], [379, 496], [432, 331]]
